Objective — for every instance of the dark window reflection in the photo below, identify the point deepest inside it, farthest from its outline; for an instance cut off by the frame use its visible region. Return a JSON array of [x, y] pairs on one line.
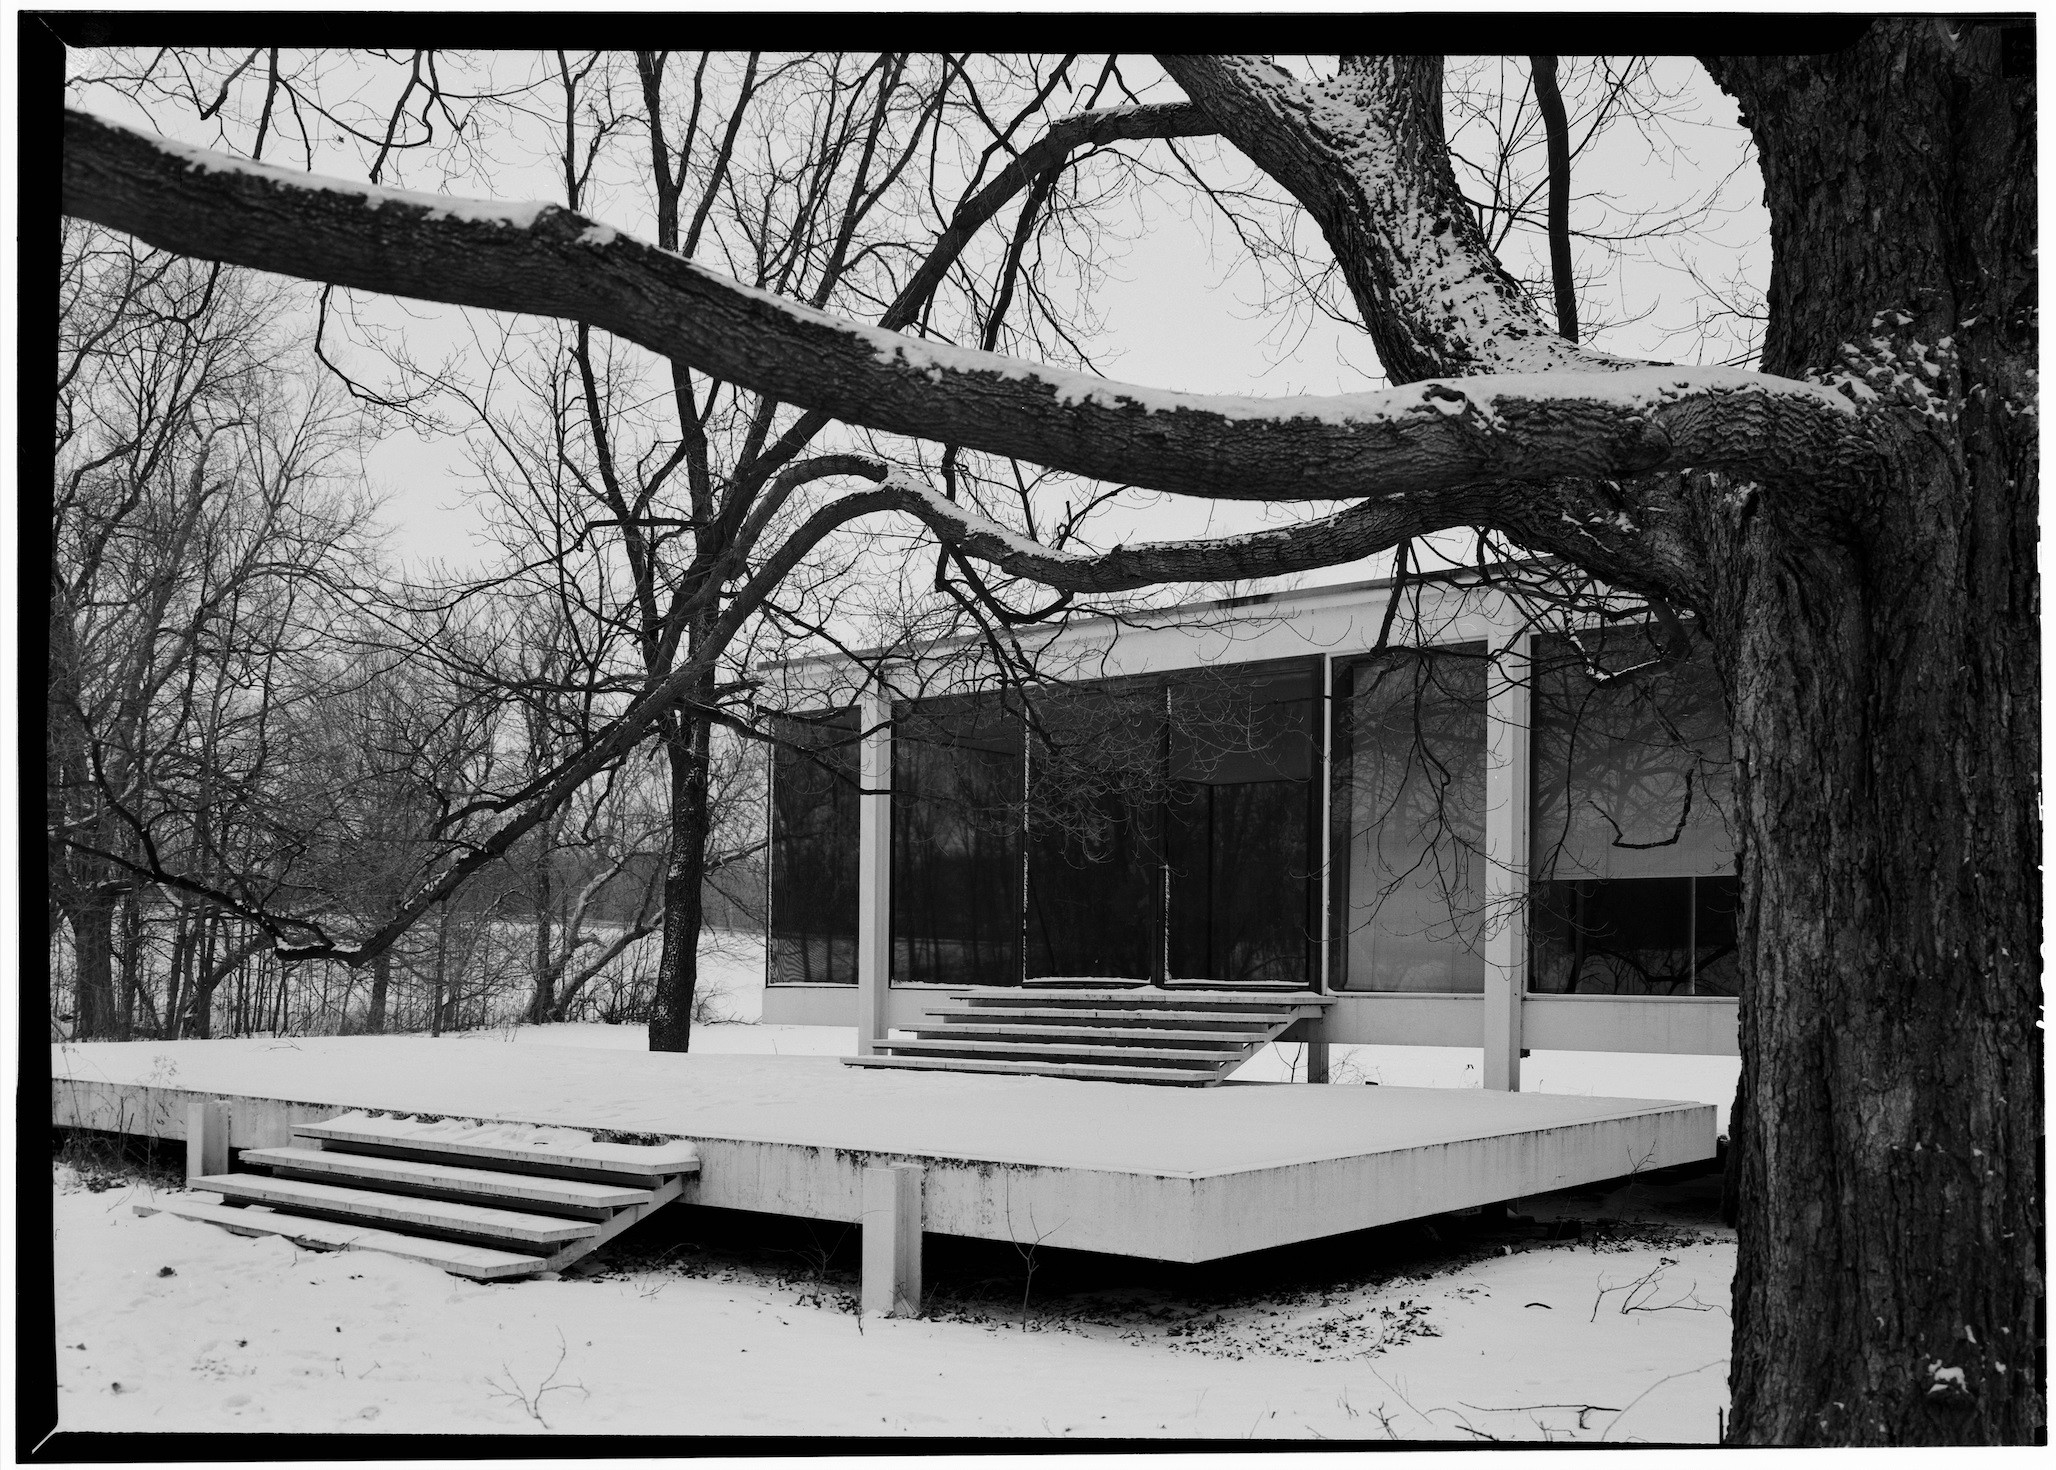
[[814, 805], [956, 851], [1164, 827], [1238, 829], [1095, 786], [1170, 828], [1717, 964], [1408, 820], [1633, 863]]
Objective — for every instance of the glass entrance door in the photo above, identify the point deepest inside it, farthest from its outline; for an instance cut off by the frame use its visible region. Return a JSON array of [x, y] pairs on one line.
[[1237, 883], [1141, 831], [1094, 832]]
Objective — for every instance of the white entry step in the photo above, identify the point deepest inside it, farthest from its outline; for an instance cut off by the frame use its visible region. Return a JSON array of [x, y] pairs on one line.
[[518, 1191], [1139, 1016], [1042, 1046], [1141, 995], [1142, 1035], [561, 1152], [481, 1263], [387, 1211], [531, 1198], [1081, 1071], [1183, 1037]]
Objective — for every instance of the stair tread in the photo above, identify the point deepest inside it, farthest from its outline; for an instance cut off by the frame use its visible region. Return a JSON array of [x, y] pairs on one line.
[[532, 1147], [1112, 1006], [535, 1188], [1139, 1033], [400, 1209], [1177, 995], [1252, 1018], [1095, 1072], [1050, 1048], [483, 1263]]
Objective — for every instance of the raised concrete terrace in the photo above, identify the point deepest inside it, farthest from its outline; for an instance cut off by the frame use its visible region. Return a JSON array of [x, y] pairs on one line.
[[1171, 1174]]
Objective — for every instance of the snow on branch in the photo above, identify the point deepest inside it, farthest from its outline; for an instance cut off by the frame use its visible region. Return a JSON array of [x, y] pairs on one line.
[[1425, 438], [1364, 152]]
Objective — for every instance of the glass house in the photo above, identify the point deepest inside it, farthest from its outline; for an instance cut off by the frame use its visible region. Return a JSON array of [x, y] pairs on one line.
[[1492, 836]]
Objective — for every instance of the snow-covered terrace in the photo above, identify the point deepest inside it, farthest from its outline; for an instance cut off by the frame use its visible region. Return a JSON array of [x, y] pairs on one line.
[[1173, 1174]]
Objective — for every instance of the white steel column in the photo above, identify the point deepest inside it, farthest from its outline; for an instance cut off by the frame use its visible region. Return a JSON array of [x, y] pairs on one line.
[[206, 1139], [874, 867], [1507, 708], [891, 1281], [1317, 1051]]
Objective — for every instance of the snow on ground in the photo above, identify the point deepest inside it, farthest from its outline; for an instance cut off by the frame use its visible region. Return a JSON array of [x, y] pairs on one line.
[[754, 1040], [165, 1324], [169, 1325]]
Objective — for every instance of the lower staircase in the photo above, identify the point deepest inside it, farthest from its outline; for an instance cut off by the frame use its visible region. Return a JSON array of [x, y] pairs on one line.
[[491, 1201], [1179, 1037]]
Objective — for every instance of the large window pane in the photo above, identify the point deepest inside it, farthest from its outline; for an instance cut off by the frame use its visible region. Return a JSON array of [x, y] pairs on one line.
[[1408, 821], [1633, 862], [1238, 829], [814, 805], [956, 850], [1095, 789], [1239, 910]]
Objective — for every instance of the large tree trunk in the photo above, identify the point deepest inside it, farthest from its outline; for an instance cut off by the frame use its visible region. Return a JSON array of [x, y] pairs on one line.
[[130, 914], [95, 1015], [1882, 655], [542, 1002], [686, 745], [381, 980], [197, 1017]]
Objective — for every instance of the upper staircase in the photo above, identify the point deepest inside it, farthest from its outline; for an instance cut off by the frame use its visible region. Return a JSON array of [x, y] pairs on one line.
[[490, 1201], [1180, 1036]]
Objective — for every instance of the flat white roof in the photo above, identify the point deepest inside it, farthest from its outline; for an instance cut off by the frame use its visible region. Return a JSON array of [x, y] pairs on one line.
[[1082, 626]]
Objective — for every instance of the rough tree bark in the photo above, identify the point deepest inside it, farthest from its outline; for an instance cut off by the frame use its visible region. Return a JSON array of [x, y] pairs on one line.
[[1882, 656], [1877, 631], [381, 980], [542, 998], [91, 920], [686, 748]]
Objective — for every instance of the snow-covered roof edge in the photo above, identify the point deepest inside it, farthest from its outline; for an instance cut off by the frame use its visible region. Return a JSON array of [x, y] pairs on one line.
[[1453, 575]]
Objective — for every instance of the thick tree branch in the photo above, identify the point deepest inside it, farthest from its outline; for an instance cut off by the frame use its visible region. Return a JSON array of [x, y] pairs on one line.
[[1556, 126], [1348, 535], [1365, 154], [543, 260]]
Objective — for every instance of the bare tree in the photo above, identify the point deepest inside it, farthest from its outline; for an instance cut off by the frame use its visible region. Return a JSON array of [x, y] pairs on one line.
[[1854, 527], [635, 494], [200, 545]]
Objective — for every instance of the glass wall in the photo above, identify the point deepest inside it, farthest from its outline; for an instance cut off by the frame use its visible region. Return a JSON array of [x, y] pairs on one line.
[[1408, 793], [1095, 793], [1135, 830], [956, 843], [1239, 830], [1634, 889], [812, 932]]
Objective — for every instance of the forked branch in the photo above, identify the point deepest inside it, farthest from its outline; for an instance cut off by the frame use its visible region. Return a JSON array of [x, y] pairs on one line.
[[1425, 437]]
